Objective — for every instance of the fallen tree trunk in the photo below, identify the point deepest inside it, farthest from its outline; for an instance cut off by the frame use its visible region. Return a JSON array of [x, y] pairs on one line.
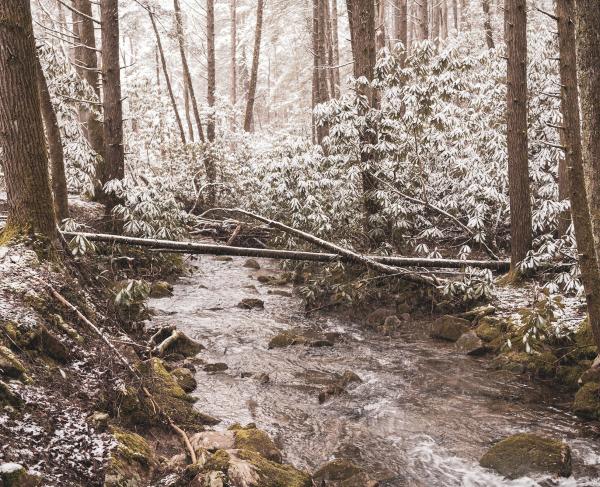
[[212, 249]]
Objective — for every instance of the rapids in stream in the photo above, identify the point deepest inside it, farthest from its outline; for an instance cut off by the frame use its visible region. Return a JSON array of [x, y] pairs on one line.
[[423, 415]]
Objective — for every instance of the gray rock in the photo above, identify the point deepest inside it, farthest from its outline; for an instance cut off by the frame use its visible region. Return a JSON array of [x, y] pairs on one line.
[[251, 303], [16, 475], [470, 344], [252, 264], [161, 289]]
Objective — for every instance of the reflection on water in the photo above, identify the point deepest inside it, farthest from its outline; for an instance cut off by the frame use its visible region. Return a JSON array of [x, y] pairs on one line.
[[422, 416]]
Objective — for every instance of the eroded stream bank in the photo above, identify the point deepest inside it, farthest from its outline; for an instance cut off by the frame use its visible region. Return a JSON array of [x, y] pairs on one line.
[[423, 414]]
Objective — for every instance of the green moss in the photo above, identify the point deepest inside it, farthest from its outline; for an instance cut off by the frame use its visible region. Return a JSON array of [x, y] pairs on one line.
[[219, 461], [251, 438], [568, 376], [585, 344], [9, 397], [336, 470], [59, 322], [587, 401], [523, 454], [286, 339], [131, 463], [488, 331], [10, 365], [273, 474], [132, 447], [541, 365]]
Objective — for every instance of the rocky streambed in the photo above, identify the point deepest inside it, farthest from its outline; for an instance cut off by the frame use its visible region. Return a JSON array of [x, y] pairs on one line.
[[405, 408]]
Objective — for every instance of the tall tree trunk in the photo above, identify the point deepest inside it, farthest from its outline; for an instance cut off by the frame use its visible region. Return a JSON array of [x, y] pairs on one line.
[[114, 153], [233, 55], [580, 211], [516, 114], [444, 20], [361, 15], [487, 24], [335, 44], [329, 74], [165, 69], [401, 22], [588, 64], [255, 60], [436, 18], [55, 148], [455, 14], [87, 58], [187, 77], [186, 108], [22, 144], [422, 26], [211, 69], [380, 34], [320, 89]]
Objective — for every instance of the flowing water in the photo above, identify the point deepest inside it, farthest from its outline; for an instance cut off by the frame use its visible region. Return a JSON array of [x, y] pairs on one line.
[[422, 416]]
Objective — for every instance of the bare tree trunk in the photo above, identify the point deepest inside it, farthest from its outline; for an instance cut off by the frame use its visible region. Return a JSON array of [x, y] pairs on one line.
[[435, 22], [114, 154], [186, 107], [580, 211], [336, 48], [55, 148], [211, 69], [329, 74], [516, 113], [588, 63], [22, 145], [444, 20], [233, 56], [361, 15], [380, 35], [255, 60], [165, 69], [422, 31], [187, 77], [401, 22], [455, 14], [487, 24]]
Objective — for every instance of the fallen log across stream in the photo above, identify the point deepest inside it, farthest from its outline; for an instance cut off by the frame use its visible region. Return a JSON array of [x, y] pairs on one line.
[[212, 249]]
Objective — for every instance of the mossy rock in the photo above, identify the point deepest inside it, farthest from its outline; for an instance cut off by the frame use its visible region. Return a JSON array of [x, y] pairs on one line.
[[7, 396], [342, 473], [488, 330], [161, 289], [584, 341], [568, 376], [251, 438], [248, 468], [252, 264], [131, 463], [287, 339], [470, 344], [251, 303], [58, 321], [185, 378], [449, 328], [525, 454], [587, 401], [541, 365], [10, 365], [16, 475], [41, 339], [168, 396]]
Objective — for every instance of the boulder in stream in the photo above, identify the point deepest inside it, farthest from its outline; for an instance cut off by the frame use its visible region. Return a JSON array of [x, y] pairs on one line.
[[131, 462], [524, 454], [252, 264], [252, 438], [286, 339], [587, 401], [449, 328], [161, 289], [342, 473], [470, 344], [378, 317], [185, 379], [251, 303], [216, 367]]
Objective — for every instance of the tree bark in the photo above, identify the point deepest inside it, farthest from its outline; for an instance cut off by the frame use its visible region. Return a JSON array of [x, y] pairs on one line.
[[211, 69], [422, 25], [335, 44], [55, 148], [233, 51], [165, 69], [187, 77], [487, 24], [254, 73], [380, 34], [582, 221], [361, 15], [588, 64], [186, 109], [444, 20], [516, 114], [401, 24], [320, 92], [455, 14], [22, 144]]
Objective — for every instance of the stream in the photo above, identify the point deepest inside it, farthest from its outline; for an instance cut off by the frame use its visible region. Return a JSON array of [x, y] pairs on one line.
[[422, 416]]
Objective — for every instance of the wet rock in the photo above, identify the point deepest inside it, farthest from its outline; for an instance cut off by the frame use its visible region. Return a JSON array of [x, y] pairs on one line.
[[252, 264], [488, 330], [250, 469], [262, 378], [330, 391], [251, 438], [251, 303], [280, 292], [321, 343], [213, 440], [286, 339], [584, 339], [178, 343], [587, 401], [217, 367], [342, 473], [223, 258], [185, 379], [568, 376], [131, 463], [377, 317], [449, 328], [470, 344], [541, 365], [10, 365], [161, 289], [525, 454], [349, 377], [274, 280], [7, 396], [478, 312], [390, 325], [592, 374], [98, 420], [16, 475]]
